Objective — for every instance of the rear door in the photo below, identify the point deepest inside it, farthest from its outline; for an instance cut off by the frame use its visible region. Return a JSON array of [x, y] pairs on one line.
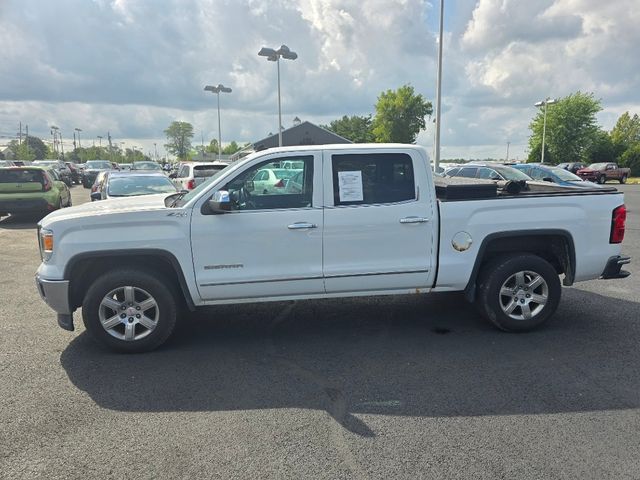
[[378, 224]]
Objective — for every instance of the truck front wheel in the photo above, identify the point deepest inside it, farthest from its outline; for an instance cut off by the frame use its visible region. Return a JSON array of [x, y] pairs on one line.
[[129, 310], [519, 292], [602, 179]]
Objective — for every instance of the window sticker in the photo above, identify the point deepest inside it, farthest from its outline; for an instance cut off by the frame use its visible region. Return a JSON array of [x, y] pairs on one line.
[[350, 186]]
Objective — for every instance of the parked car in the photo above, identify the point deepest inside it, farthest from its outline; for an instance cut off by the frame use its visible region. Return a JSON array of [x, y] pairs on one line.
[[573, 167], [22, 163], [91, 170], [601, 172], [32, 190], [76, 174], [488, 171], [192, 174], [272, 180], [146, 165], [556, 175], [131, 184], [125, 166], [59, 166], [370, 221]]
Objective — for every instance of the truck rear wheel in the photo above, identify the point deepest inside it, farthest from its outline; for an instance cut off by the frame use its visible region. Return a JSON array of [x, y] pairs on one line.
[[129, 311], [518, 292]]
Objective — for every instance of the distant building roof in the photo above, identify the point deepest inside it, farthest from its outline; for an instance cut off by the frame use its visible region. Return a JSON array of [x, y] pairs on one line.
[[305, 133]]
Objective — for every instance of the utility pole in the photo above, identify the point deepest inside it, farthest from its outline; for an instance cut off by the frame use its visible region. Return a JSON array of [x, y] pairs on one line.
[[439, 91], [507, 157], [100, 140], [20, 135], [27, 139], [61, 144], [110, 146]]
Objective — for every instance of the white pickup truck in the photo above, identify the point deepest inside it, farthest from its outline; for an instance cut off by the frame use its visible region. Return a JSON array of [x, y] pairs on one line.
[[358, 220]]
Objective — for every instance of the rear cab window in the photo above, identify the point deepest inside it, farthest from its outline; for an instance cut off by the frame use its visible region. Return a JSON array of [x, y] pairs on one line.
[[372, 178]]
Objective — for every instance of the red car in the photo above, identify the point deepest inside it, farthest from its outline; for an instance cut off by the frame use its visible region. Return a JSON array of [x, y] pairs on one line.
[[601, 172]]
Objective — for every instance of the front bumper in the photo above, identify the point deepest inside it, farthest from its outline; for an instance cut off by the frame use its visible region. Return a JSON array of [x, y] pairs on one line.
[[55, 293], [614, 267]]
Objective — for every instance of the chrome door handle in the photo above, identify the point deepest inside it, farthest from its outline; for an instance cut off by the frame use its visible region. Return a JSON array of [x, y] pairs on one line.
[[414, 220], [301, 225]]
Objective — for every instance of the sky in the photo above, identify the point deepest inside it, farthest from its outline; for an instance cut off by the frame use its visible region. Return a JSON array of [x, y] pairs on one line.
[[131, 67]]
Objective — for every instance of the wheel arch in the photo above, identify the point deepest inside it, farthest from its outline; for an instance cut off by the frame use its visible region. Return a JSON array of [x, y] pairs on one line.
[[83, 268], [554, 245]]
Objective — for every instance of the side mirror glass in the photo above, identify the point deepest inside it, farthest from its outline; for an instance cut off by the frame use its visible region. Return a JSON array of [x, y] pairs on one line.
[[96, 196], [220, 202]]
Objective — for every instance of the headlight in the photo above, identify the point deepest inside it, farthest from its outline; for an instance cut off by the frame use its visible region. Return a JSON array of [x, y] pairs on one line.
[[45, 239]]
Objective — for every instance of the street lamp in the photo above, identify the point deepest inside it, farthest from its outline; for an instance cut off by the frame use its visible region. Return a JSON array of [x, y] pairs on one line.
[[100, 140], [54, 134], [439, 93], [545, 102], [274, 56], [217, 89], [78, 130]]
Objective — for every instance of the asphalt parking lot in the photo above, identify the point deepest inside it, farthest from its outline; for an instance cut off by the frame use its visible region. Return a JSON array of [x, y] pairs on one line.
[[404, 387]]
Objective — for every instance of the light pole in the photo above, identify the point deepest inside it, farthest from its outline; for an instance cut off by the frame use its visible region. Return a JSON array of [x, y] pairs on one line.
[[54, 134], [100, 140], [507, 157], [155, 151], [78, 130], [439, 92], [274, 56], [545, 102], [217, 89]]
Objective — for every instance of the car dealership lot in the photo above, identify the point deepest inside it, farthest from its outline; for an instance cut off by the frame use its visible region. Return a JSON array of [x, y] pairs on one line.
[[404, 387]]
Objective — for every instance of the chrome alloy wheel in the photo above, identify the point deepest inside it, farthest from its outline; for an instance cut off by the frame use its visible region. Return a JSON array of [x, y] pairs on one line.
[[523, 295], [128, 313]]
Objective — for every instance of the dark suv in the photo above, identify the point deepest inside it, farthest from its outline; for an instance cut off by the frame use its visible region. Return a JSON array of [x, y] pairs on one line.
[[573, 167]]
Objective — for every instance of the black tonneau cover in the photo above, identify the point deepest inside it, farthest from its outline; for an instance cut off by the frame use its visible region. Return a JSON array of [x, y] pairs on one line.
[[461, 188]]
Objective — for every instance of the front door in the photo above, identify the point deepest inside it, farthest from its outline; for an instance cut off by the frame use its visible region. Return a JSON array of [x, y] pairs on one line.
[[378, 226], [270, 244]]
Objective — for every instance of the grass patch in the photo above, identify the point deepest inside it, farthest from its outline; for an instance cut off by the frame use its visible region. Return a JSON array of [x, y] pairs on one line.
[[633, 180]]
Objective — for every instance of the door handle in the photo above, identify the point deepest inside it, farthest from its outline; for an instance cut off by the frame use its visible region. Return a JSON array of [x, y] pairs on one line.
[[301, 225], [414, 220]]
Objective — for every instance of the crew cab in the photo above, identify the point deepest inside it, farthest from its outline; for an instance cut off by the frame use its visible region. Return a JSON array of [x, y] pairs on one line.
[[365, 220], [601, 172]]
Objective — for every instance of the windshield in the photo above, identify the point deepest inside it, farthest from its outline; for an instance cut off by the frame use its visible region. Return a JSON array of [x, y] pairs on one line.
[[98, 164], [512, 173], [146, 166], [565, 175], [203, 186], [138, 185]]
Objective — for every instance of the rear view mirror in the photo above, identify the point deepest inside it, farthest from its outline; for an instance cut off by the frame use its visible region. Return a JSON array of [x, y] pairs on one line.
[[220, 202]]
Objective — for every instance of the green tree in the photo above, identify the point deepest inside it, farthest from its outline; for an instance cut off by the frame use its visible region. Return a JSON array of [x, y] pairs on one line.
[[626, 133], [212, 147], [31, 148], [232, 148], [571, 128], [631, 159], [179, 135], [356, 128], [400, 115], [601, 148]]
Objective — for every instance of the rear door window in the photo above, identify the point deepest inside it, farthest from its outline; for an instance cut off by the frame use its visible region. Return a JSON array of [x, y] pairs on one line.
[[468, 172], [372, 178]]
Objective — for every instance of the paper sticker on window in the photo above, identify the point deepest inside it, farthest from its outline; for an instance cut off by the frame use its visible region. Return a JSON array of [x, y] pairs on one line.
[[350, 186]]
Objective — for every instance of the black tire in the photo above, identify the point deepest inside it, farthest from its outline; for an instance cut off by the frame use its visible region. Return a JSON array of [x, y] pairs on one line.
[[69, 202], [623, 179], [602, 179], [150, 282], [500, 270]]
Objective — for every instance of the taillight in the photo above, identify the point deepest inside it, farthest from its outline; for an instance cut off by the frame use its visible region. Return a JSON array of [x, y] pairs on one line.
[[46, 186], [618, 220], [191, 184], [280, 184]]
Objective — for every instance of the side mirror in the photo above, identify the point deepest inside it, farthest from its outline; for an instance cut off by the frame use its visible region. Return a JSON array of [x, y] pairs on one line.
[[173, 175], [220, 202], [96, 196], [547, 179]]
